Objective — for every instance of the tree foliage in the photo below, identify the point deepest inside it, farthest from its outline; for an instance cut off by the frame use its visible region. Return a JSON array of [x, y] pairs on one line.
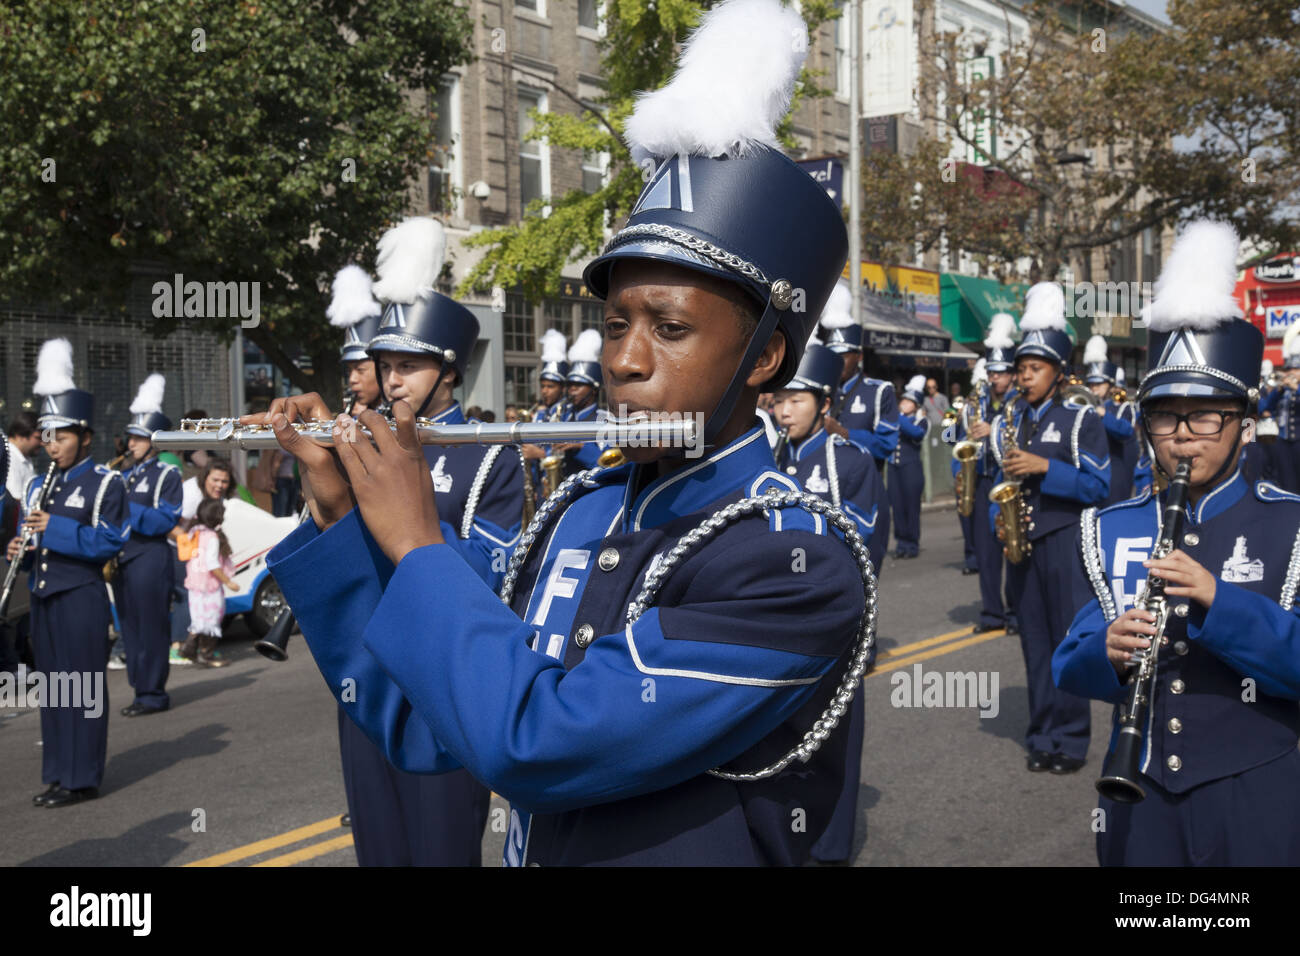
[[263, 141]]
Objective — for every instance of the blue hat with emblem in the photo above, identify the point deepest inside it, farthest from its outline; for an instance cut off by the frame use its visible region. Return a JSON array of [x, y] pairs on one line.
[[1000, 344], [146, 411], [353, 308], [723, 200], [839, 332], [1197, 342], [915, 390], [1098, 367], [417, 319], [1043, 325], [63, 405], [555, 365], [584, 360], [818, 371]]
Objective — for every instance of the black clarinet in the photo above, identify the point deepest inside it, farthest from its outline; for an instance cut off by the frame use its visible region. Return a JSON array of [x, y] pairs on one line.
[[12, 576], [1120, 780]]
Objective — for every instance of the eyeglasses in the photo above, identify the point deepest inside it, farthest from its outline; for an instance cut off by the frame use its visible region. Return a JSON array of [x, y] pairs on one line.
[[1201, 422]]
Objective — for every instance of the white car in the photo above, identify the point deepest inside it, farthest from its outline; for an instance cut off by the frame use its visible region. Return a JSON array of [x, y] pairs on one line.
[[252, 533]]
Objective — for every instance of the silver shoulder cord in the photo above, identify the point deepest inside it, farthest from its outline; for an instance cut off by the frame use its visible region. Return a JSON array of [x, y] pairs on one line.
[[774, 498], [476, 489]]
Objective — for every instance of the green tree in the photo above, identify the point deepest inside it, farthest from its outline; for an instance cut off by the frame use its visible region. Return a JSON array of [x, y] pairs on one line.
[[264, 141], [638, 53]]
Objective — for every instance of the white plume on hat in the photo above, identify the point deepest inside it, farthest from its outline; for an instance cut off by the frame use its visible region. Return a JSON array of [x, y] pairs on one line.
[[1002, 329], [734, 81], [1195, 287], [410, 258], [1044, 308], [149, 398], [981, 372], [838, 313], [553, 345], [1095, 351], [586, 348], [54, 368], [1265, 368], [353, 299], [1291, 340], [915, 384], [1120, 376]]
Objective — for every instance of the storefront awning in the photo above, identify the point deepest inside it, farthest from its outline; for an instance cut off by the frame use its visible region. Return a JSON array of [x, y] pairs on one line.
[[894, 332], [967, 304]]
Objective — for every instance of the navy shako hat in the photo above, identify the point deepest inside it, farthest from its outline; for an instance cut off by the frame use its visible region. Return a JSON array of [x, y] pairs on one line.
[[1043, 325], [146, 411], [353, 308], [555, 368], [838, 330], [584, 360], [63, 405], [1000, 344], [1098, 367], [723, 200], [818, 371], [1197, 343], [915, 389]]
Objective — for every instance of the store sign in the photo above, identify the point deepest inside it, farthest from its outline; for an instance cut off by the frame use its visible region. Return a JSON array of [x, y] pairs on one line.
[[829, 173], [1277, 319], [1278, 270], [905, 341]]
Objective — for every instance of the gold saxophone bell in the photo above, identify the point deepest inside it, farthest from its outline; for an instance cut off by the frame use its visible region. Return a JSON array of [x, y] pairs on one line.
[[611, 458], [1078, 396], [552, 474], [954, 411], [1009, 497], [965, 453]]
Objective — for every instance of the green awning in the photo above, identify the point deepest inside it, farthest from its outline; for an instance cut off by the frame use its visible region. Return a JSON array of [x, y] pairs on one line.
[[967, 304]]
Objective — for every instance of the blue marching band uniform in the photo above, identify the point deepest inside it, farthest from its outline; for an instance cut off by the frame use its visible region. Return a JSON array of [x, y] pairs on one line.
[[1118, 418], [1219, 764], [1043, 586], [906, 475], [88, 525], [399, 818], [599, 725], [144, 566], [1281, 459]]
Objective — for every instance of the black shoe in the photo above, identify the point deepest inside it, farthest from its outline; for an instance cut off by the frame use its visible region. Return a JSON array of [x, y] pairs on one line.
[[966, 571], [1011, 628], [345, 820], [62, 797], [1038, 761], [1063, 764], [137, 710], [41, 798], [985, 628], [898, 554]]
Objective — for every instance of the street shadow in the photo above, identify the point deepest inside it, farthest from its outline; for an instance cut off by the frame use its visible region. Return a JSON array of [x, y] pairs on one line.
[[190, 693], [139, 763], [151, 843], [965, 614], [1013, 714]]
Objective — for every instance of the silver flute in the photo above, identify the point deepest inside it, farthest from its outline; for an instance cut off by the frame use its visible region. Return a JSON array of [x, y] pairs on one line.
[[649, 433]]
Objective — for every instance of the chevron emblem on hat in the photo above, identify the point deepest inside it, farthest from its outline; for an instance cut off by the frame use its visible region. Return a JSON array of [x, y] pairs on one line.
[[672, 172], [1182, 349]]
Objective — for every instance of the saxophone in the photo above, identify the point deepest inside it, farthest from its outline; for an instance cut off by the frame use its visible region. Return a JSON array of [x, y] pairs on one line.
[[966, 451], [1009, 497]]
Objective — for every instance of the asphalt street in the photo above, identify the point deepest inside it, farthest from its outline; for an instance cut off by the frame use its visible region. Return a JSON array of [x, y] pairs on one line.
[[244, 767]]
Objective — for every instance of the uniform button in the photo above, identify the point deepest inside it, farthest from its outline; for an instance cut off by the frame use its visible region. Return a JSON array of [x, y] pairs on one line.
[[791, 470], [608, 559], [584, 635], [1174, 762], [44, 551], [1192, 538], [40, 584], [1180, 648], [44, 566], [1164, 639], [1175, 725], [1181, 610], [1177, 687]]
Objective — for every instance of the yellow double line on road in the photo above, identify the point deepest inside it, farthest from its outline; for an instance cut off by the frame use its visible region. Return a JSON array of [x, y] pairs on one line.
[[887, 662]]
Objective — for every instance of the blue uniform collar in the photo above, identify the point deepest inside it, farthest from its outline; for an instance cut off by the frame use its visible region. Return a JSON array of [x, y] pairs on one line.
[[451, 416], [1037, 413], [810, 444], [79, 469], [728, 469], [1222, 497], [583, 414], [852, 382]]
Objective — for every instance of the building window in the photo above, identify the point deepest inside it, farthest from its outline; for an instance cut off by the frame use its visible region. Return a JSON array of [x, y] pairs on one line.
[[536, 6], [534, 155], [518, 325], [556, 314], [521, 386], [444, 166], [595, 168], [1150, 254], [591, 315], [589, 14], [842, 53]]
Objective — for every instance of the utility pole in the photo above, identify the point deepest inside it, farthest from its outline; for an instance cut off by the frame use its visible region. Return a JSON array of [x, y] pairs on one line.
[[855, 156]]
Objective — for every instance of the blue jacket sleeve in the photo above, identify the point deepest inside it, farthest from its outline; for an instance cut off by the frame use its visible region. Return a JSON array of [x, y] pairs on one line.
[[97, 542], [588, 453], [882, 439], [1080, 665], [913, 430], [1253, 635], [153, 522], [648, 706], [862, 497], [1119, 423], [1090, 482]]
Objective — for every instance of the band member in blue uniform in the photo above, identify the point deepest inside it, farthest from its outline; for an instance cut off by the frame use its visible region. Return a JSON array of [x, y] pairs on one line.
[[601, 726], [421, 350], [1218, 764], [1119, 418], [583, 387], [1062, 462], [144, 577], [83, 524], [844, 474], [552, 383], [353, 308], [906, 475], [1282, 405], [866, 411]]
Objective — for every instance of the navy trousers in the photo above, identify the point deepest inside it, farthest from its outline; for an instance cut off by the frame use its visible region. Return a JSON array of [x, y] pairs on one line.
[[906, 482], [70, 637], [882, 511], [143, 591], [835, 845], [1045, 592], [409, 819], [988, 552], [1245, 820], [970, 557]]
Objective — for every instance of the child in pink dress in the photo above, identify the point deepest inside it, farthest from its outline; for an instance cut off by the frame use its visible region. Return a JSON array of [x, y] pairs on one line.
[[205, 573]]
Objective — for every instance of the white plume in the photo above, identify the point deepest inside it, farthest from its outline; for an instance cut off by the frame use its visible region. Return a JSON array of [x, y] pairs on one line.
[[149, 398], [915, 384], [1002, 329], [1265, 369], [735, 77], [981, 372], [1044, 308], [586, 348], [838, 313], [1120, 377], [1095, 351], [353, 300], [1195, 287], [409, 260], [54, 368], [552, 346], [1291, 340]]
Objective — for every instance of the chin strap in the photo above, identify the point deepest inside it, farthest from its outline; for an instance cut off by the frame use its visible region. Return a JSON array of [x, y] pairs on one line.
[[424, 405]]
